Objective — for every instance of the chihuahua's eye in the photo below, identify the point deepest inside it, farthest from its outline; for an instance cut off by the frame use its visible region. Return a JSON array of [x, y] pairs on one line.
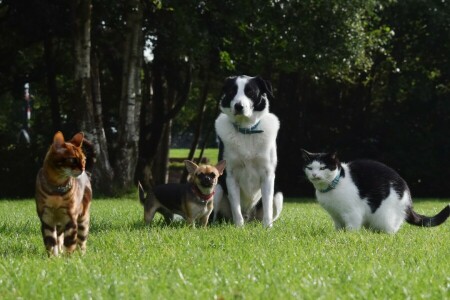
[[200, 175], [309, 168], [212, 175], [322, 168]]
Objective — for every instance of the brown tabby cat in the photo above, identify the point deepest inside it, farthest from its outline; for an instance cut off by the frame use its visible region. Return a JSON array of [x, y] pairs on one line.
[[63, 196]]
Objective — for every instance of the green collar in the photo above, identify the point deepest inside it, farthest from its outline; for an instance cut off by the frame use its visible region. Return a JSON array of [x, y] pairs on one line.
[[250, 130], [333, 184], [56, 189]]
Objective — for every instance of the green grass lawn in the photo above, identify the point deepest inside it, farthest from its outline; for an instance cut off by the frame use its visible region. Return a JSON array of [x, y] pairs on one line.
[[209, 153], [301, 257]]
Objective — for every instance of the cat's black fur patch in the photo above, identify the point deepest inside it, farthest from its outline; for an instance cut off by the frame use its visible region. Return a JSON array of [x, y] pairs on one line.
[[374, 181]]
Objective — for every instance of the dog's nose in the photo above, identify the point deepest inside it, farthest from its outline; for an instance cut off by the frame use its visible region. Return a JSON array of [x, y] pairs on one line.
[[207, 182], [238, 107]]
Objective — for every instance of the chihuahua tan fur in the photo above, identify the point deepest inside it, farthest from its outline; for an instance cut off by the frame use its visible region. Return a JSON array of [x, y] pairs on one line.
[[193, 200]]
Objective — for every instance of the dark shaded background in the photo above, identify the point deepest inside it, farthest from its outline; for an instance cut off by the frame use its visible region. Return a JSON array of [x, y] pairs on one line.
[[368, 79]]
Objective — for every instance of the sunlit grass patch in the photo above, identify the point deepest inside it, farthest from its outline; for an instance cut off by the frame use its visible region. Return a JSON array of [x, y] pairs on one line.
[[301, 257]]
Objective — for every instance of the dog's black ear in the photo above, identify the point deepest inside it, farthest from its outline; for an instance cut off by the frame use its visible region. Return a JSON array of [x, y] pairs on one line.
[[229, 82], [265, 87], [227, 89]]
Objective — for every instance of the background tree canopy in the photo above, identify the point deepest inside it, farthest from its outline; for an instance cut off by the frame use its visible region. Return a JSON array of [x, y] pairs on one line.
[[368, 79]]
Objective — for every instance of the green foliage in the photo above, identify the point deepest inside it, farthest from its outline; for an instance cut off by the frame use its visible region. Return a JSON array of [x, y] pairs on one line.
[[370, 79], [317, 38], [301, 257]]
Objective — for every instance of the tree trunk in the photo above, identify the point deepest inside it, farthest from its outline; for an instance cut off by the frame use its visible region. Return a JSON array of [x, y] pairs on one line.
[[51, 83], [160, 171], [103, 173], [143, 172], [161, 159], [130, 98], [152, 132], [88, 106], [198, 125], [82, 47]]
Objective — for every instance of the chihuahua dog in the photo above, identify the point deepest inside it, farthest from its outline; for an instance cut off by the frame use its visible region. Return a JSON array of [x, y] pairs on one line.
[[193, 200]]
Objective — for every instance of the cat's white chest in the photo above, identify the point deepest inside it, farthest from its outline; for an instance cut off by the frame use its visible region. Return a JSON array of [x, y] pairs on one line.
[[341, 199], [344, 204]]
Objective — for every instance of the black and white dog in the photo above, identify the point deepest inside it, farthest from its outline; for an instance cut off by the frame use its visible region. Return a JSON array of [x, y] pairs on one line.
[[247, 133]]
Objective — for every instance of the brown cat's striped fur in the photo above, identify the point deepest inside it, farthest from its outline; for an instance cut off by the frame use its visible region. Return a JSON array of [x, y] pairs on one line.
[[63, 196]]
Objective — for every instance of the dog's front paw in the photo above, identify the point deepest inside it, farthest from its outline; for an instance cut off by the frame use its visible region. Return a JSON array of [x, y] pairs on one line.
[[267, 223], [239, 222]]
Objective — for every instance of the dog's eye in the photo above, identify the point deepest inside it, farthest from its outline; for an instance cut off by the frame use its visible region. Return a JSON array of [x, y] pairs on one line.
[[309, 168], [322, 168], [250, 93], [212, 175], [200, 175]]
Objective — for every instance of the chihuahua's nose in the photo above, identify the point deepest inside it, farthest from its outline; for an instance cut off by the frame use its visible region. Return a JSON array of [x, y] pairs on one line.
[[207, 181], [238, 107]]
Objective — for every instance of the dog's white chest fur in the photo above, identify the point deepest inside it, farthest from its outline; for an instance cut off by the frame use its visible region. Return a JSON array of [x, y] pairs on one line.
[[250, 157], [199, 210], [248, 133]]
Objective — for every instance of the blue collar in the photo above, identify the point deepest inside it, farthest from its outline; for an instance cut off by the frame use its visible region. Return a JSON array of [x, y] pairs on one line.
[[333, 184], [250, 130]]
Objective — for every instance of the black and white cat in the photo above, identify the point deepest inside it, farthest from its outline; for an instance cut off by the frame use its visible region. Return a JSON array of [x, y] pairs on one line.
[[364, 193]]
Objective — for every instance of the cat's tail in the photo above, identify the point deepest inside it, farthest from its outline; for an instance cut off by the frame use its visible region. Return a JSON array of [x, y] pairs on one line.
[[141, 193], [414, 218], [89, 150]]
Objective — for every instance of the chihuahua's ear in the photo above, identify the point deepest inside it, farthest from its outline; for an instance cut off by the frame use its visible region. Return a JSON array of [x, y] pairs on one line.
[[306, 155], [221, 166], [190, 166]]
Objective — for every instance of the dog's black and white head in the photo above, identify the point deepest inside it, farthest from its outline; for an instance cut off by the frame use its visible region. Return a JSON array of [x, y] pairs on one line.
[[245, 99]]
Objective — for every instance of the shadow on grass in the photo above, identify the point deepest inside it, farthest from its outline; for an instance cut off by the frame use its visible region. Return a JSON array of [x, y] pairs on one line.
[[299, 200], [313, 200], [136, 225]]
